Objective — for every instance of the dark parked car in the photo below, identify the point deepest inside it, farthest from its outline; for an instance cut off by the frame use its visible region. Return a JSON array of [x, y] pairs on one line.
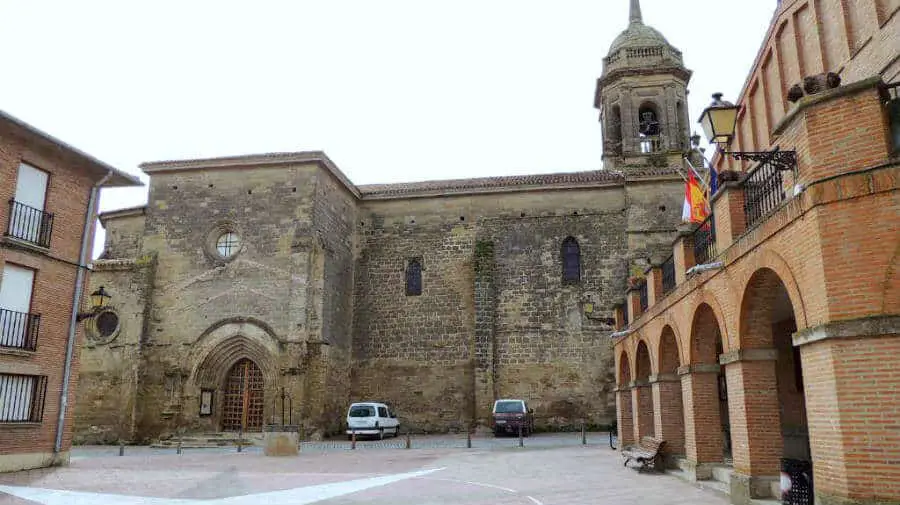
[[510, 415]]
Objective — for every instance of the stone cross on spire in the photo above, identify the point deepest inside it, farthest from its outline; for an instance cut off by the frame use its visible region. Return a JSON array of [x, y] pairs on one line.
[[636, 16]]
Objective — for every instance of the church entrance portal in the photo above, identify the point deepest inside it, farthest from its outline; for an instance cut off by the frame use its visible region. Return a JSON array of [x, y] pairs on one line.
[[243, 404]]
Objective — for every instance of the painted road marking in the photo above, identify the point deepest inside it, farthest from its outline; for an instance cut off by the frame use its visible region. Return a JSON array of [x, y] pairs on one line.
[[296, 496]]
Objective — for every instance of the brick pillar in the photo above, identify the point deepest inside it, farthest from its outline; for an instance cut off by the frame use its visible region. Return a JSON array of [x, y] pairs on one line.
[[668, 414], [755, 412], [728, 211], [621, 323], [624, 416], [851, 381], [633, 299], [642, 405], [702, 423], [654, 285], [683, 253]]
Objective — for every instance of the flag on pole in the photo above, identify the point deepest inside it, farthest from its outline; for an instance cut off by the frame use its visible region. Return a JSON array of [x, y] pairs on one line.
[[694, 209]]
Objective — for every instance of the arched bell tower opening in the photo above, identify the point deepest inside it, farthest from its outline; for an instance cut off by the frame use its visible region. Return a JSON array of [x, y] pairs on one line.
[[642, 97]]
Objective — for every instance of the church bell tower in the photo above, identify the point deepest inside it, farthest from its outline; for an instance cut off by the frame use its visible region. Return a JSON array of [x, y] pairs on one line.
[[642, 97]]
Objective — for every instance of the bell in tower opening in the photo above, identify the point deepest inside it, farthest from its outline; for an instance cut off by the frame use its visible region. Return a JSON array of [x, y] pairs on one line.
[[642, 98]]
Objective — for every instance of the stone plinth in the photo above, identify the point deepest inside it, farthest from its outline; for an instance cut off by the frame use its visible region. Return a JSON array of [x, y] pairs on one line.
[[282, 440]]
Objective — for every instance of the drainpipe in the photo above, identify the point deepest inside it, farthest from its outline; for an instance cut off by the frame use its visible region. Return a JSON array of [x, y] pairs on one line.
[[620, 334], [76, 303], [698, 269]]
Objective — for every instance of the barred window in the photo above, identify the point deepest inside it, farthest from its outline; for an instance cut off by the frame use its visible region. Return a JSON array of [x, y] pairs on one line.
[[571, 261], [22, 398], [414, 277]]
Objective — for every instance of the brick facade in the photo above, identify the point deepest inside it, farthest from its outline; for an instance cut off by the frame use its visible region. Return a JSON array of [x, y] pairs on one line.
[[72, 174], [806, 300]]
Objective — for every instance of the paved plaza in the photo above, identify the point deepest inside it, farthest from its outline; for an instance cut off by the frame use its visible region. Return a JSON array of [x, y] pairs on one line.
[[550, 470]]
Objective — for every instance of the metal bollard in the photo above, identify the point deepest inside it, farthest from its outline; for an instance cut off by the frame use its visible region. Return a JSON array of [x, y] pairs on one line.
[[121, 448], [583, 435], [353, 440], [468, 439], [521, 440], [408, 441], [179, 449]]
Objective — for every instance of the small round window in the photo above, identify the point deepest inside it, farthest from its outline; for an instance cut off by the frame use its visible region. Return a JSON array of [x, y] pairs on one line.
[[107, 323], [228, 244]]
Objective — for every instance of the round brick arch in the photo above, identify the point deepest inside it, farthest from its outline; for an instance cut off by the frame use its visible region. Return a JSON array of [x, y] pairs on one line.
[[624, 374], [669, 352], [225, 343], [642, 369], [757, 309], [706, 328], [771, 260]]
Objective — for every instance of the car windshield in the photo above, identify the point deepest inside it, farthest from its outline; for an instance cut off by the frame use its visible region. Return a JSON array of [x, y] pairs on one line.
[[508, 407], [362, 411]]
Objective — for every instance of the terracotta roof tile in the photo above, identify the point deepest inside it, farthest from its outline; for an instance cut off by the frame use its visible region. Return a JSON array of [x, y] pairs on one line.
[[491, 184]]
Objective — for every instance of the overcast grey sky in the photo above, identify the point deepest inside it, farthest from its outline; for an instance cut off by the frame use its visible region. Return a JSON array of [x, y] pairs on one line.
[[391, 90]]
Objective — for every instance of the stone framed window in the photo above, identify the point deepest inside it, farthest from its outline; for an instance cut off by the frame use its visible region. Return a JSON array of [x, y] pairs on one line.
[[105, 327], [223, 242], [571, 261], [414, 277]]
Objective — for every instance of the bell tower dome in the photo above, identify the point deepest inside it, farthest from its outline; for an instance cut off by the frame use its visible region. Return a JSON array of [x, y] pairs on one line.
[[642, 98]]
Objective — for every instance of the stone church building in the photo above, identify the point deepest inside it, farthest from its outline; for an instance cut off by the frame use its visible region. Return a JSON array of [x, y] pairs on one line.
[[245, 276]]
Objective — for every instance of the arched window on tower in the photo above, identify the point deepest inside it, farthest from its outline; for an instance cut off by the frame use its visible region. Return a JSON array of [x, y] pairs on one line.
[[571, 261], [414, 277], [649, 128]]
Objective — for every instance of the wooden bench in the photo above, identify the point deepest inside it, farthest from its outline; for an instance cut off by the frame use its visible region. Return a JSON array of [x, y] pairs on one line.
[[648, 453]]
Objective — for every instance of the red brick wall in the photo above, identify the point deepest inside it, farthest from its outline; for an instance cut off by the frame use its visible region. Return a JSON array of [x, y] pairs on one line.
[[702, 424], [67, 197], [852, 392], [668, 420]]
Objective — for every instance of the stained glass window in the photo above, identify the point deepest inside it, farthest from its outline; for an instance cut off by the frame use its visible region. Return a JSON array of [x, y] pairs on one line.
[[414, 278], [571, 261]]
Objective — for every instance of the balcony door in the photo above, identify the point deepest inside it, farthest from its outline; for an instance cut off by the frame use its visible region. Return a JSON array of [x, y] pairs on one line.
[[27, 219], [15, 303]]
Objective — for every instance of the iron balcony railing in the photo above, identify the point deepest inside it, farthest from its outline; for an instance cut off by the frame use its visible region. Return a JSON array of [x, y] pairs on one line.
[[23, 398], [763, 192], [29, 224], [19, 330], [645, 302], [705, 241], [668, 275]]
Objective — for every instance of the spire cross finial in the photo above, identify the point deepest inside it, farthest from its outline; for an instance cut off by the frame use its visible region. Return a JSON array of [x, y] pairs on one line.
[[636, 16]]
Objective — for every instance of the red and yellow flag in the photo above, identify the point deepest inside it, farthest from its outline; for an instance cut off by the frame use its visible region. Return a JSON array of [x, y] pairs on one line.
[[695, 209]]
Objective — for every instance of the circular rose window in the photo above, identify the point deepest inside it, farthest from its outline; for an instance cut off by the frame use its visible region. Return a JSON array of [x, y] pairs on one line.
[[228, 244], [104, 328]]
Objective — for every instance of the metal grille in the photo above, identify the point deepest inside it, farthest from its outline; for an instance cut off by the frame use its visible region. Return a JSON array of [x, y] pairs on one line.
[[228, 244], [29, 224], [19, 330], [22, 398], [414, 278], [705, 241], [644, 300], [763, 193], [571, 260], [107, 323], [668, 275], [243, 405]]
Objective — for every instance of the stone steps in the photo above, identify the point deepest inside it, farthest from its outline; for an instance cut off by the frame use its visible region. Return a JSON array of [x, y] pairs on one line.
[[207, 441]]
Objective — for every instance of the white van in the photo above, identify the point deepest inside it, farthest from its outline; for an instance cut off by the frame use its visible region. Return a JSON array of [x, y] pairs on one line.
[[371, 419]]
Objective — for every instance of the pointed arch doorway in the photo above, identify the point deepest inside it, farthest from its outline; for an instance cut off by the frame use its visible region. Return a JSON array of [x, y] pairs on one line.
[[244, 397]]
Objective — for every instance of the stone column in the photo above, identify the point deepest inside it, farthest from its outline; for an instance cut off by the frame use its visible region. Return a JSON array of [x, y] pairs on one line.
[[642, 405], [624, 419], [755, 414], [485, 308], [851, 380], [702, 423], [668, 414]]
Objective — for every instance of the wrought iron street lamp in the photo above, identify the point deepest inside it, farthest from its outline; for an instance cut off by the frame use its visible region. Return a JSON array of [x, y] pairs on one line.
[[99, 299], [719, 121]]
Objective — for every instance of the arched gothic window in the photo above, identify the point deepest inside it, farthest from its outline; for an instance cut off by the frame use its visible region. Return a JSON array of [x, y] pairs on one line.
[[571, 261], [414, 277]]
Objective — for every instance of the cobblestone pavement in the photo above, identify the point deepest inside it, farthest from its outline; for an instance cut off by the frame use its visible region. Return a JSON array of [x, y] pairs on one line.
[[550, 470]]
